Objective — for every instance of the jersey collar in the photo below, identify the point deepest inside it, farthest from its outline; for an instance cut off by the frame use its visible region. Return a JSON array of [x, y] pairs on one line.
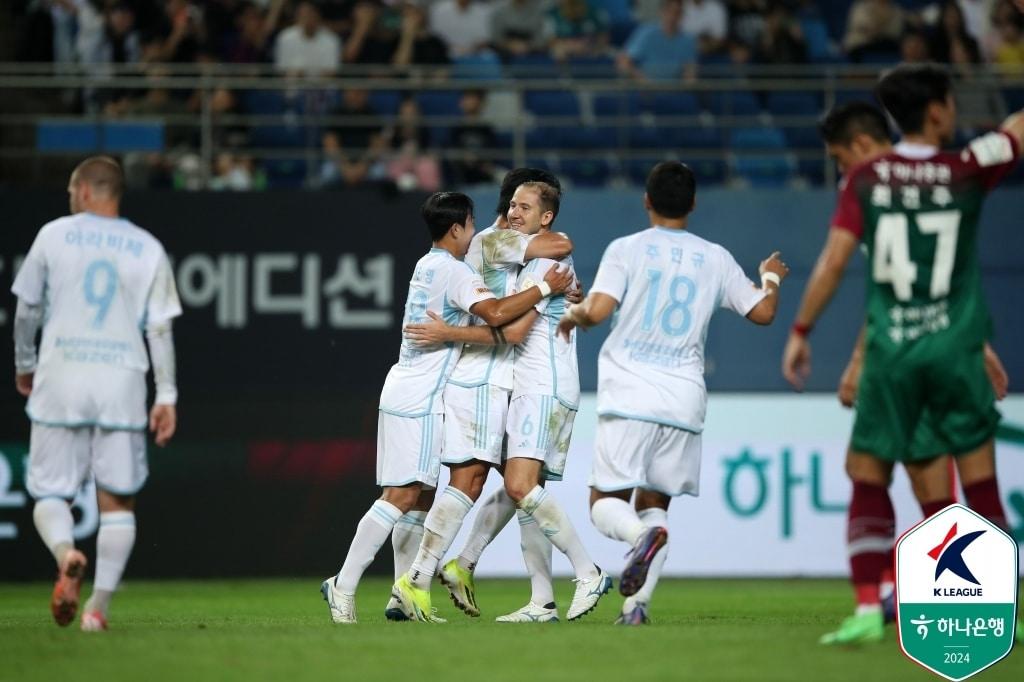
[[915, 151]]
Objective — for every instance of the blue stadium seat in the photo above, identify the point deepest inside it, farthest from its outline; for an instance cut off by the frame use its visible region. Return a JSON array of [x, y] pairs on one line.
[[760, 169], [56, 135], [532, 66], [552, 103], [819, 46], [732, 103], [385, 102], [846, 96], [674, 104], [265, 102], [439, 103], [794, 104], [586, 172], [285, 173], [132, 136], [696, 137], [62, 136], [481, 66], [591, 67], [649, 137], [286, 136], [616, 105]]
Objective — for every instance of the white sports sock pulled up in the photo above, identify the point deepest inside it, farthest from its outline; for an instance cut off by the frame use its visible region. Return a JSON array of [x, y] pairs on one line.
[[439, 530], [372, 531], [54, 523], [557, 527], [617, 519], [493, 514], [405, 540], [537, 557]]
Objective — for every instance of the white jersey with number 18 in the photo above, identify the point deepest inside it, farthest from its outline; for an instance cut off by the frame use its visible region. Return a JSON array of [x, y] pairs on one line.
[[100, 281], [668, 283]]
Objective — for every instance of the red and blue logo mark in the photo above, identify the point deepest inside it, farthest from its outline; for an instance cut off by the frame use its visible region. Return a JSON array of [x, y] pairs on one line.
[[949, 555]]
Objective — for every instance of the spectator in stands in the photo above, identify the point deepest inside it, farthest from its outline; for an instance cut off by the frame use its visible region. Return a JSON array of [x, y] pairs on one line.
[[416, 44], [236, 173], [977, 17], [660, 51], [352, 149], [253, 28], [1009, 54], [307, 48], [473, 138], [577, 28], [183, 32], [463, 25], [979, 103], [914, 47], [747, 19], [951, 27], [708, 22], [374, 33], [518, 27], [410, 165], [782, 39], [872, 26]]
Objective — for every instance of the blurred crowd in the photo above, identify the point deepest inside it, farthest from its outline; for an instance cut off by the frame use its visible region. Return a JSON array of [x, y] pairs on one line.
[[635, 39]]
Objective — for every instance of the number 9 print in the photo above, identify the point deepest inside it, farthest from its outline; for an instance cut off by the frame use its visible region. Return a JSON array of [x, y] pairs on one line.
[[100, 286]]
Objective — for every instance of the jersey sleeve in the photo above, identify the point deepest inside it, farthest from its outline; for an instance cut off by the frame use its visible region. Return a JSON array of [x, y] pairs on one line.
[[163, 303], [738, 293], [848, 214], [30, 283], [612, 274], [466, 288], [991, 157], [505, 248]]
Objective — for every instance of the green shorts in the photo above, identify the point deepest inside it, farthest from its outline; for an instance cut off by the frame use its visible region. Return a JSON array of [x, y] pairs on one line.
[[930, 400]]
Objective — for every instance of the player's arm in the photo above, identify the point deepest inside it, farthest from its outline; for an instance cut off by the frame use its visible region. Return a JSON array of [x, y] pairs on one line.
[[1014, 127], [996, 372], [163, 418], [592, 311], [435, 332], [28, 319], [850, 379], [498, 312], [825, 278], [773, 271], [553, 245]]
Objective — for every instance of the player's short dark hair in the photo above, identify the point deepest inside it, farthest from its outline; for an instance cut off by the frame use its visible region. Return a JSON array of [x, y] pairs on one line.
[[443, 209], [843, 122], [549, 198], [671, 188], [518, 176], [907, 90], [103, 174]]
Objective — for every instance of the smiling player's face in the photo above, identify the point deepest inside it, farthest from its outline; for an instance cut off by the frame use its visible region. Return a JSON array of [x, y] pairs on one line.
[[465, 235], [525, 214]]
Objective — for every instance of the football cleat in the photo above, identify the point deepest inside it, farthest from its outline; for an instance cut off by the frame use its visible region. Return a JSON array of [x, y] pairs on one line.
[[342, 606], [635, 616], [461, 588], [889, 608], [414, 601], [588, 592], [393, 611], [94, 621], [64, 600], [639, 559], [531, 613], [857, 629]]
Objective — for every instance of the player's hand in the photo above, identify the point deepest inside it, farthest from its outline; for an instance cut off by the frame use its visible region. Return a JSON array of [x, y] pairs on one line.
[[796, 361], [23, 382], [566, 325], [163, 422], [849, 381], [429, 333], [996, 373], [575, 295], [773, 263], [560, 280]]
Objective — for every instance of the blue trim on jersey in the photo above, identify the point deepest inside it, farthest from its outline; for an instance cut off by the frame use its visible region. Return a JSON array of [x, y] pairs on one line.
[[78, 425], [123, 492], [408, 415], [51, 496], [437, 249], [669, 230], [654, 420], [447, 461], [124, 522], [402, 484]]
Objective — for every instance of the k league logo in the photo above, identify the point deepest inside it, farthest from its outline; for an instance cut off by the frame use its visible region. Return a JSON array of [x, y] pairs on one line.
[[956, 593]]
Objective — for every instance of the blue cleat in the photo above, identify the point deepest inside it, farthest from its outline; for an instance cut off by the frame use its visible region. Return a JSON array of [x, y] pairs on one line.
[[637, 616], [634, 575], [393, 611]]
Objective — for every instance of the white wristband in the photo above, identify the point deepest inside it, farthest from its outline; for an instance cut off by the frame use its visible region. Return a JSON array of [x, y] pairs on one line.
[[545, 288], [769, 277]]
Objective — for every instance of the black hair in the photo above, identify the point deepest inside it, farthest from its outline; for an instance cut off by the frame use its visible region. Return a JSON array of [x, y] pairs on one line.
[[671, 188], [443, 209], [843, 122], [518, 176], [907, 90]]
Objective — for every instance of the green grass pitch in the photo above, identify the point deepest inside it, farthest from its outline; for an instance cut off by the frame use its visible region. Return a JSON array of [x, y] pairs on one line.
[[194, 631]]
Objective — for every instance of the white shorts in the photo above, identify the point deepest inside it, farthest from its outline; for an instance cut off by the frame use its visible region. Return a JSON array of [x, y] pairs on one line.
[[61, 459], [630, 453], [408, 449], [540, 427], [474, 423]]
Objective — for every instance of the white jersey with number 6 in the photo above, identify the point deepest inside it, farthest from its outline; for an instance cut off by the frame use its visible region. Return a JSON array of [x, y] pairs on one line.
[[100, 281], [668, 283]]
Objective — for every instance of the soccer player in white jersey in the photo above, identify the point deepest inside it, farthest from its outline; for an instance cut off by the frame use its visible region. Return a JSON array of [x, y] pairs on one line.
[[665, 283], [544, 400], [409, 427], [95, 283], [476, 400]]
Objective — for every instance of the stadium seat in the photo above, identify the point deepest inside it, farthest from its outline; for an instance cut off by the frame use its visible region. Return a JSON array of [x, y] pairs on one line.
[[819, 44], [674, 104], [385, 102], [616, 105], [481, 66], [846, 96], [439, 103], [132, 136], [62, 136], [760, 169], [57, 135], [285, 173], [591, 67], [533, 66], [732, 103], [552, 103], [283, 136], [586, 172], [793, 104], [696, 137], [265, 102]]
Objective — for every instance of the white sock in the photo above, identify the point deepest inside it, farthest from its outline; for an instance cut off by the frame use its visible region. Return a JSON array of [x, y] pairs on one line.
[[494, 514], [405, 539], [537, 557], [439, 530], [557, 527], [114, 545], [54, 522], [617, 519], [652, 518], [372, 531]]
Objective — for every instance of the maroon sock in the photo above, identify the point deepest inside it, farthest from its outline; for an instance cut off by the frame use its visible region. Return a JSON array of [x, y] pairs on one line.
[[929, 509], [870, 532], [983, 497]]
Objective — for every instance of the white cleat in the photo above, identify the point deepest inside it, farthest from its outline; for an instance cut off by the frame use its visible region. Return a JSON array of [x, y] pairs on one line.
[[588, 592], [94, 621], [531, 613], [343, 606]]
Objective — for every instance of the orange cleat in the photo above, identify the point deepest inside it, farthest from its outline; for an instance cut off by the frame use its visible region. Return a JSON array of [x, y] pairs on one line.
[[94, 621], [64, 602]]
